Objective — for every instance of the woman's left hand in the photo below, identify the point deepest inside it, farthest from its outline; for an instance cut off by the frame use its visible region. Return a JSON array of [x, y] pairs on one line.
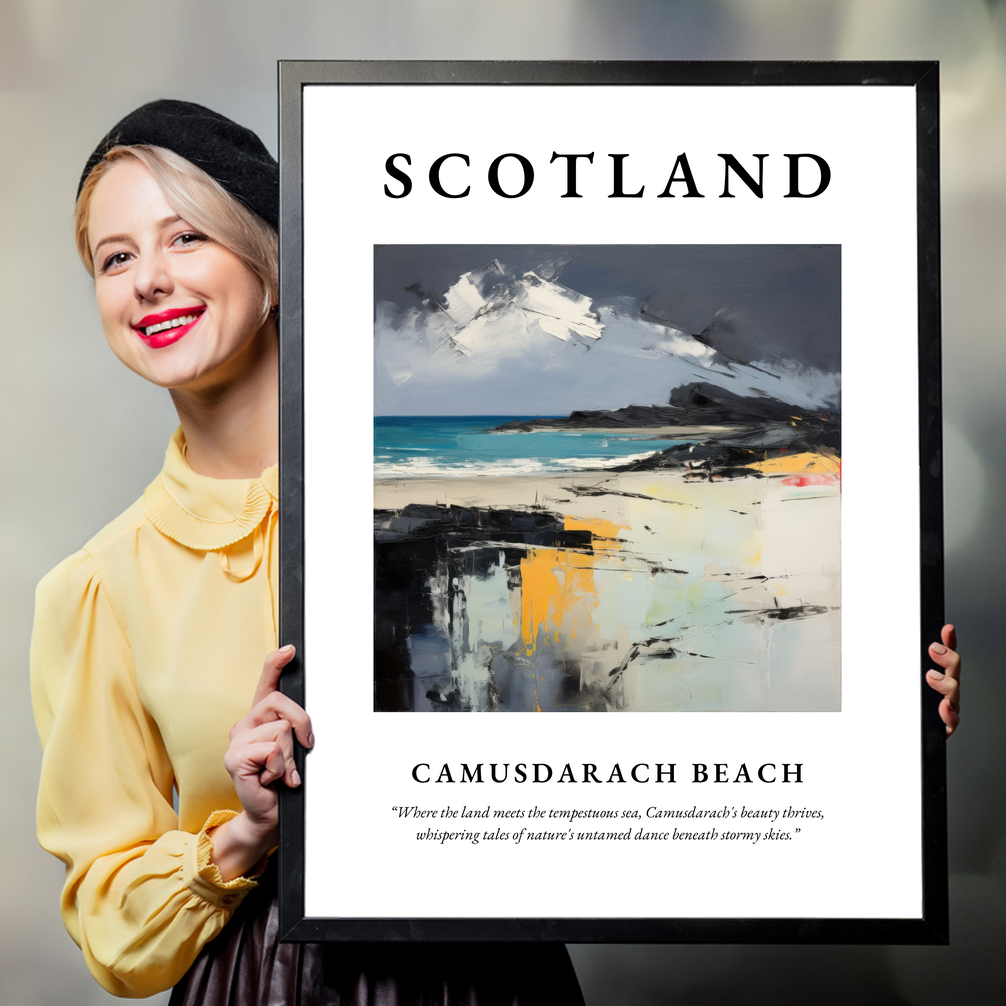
[[948, 681]]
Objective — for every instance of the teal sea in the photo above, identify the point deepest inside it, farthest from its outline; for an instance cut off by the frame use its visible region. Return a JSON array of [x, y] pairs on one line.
[[446, 446]]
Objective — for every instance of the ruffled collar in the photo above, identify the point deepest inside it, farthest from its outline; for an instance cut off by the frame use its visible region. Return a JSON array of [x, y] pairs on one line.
[[203, 513]]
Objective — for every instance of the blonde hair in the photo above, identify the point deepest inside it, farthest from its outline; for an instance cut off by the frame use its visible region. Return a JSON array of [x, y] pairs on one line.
[[199, 200]]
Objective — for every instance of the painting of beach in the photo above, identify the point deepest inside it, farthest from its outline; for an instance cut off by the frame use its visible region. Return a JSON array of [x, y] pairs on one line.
[[607, 478]]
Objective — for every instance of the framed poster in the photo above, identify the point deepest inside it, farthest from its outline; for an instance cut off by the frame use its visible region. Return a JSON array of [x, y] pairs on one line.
[[611, 499]]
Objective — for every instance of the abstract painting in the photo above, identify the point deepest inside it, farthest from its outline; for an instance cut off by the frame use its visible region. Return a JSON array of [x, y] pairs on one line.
[[607, 478]]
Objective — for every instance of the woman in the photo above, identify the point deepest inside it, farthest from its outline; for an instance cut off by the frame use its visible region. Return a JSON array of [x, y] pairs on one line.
[[149, 642]]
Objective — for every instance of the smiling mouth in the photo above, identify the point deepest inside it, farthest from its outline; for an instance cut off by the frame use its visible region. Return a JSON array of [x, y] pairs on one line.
[[167, 321], [167, 327], [185, 319]]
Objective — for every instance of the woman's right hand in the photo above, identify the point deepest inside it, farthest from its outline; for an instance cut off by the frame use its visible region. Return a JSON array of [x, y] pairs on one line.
[[259, 754]]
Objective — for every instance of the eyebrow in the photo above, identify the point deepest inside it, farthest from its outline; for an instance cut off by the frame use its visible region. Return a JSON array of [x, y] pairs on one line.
[[111, 238]]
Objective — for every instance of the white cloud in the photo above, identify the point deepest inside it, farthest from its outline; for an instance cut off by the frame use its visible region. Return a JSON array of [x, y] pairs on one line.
[[502, 344]]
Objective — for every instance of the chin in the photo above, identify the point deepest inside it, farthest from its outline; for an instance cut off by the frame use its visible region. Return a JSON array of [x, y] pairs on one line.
[[174, 374], [196, 365]]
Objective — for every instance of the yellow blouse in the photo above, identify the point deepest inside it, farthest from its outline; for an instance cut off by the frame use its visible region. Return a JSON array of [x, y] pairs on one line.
[[147, 647]]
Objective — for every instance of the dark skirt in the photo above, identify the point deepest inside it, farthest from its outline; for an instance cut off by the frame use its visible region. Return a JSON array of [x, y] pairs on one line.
[[246, 965]]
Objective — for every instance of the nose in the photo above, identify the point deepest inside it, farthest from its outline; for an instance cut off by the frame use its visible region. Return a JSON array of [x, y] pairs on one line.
[[152, 276]]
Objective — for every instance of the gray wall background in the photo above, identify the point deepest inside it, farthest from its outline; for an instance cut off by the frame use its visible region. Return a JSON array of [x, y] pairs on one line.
[[82, 436]]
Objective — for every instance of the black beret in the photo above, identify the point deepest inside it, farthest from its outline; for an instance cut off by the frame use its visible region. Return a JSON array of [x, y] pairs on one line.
[[230, 154]]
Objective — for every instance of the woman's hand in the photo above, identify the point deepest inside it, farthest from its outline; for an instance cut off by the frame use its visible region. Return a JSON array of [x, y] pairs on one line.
[[260, 753], [948, 681]]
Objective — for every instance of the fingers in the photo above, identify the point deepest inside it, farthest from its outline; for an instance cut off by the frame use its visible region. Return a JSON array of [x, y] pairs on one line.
[[263, 760], [949, 636], [945, 655], [950, 716], [947, 686], [277, 706], [265, 752], [948, 660], [261, 750], [948, 709], [270, 703], [946, 681], [271, 671]]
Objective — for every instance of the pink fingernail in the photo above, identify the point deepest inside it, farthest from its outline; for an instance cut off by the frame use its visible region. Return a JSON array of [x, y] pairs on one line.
[[936, 675], [295, 777], [938, 648]]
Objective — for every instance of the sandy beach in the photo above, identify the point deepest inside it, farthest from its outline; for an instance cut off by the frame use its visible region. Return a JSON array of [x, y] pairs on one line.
[[686, 594]]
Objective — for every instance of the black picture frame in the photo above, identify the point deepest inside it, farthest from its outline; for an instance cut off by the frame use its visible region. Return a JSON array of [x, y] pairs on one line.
[[931, 924]]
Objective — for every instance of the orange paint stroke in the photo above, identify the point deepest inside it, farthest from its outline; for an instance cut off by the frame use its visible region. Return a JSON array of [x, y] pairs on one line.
[[806, 464], [557, 589]]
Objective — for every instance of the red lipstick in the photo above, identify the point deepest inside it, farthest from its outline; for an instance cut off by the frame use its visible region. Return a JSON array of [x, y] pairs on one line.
[[166, 327]]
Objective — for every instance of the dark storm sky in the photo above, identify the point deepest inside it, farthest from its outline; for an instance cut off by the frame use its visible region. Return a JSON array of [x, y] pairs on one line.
[[768, 300]]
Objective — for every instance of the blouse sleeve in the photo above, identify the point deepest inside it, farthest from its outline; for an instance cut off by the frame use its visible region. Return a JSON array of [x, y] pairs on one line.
[[141, 898]]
